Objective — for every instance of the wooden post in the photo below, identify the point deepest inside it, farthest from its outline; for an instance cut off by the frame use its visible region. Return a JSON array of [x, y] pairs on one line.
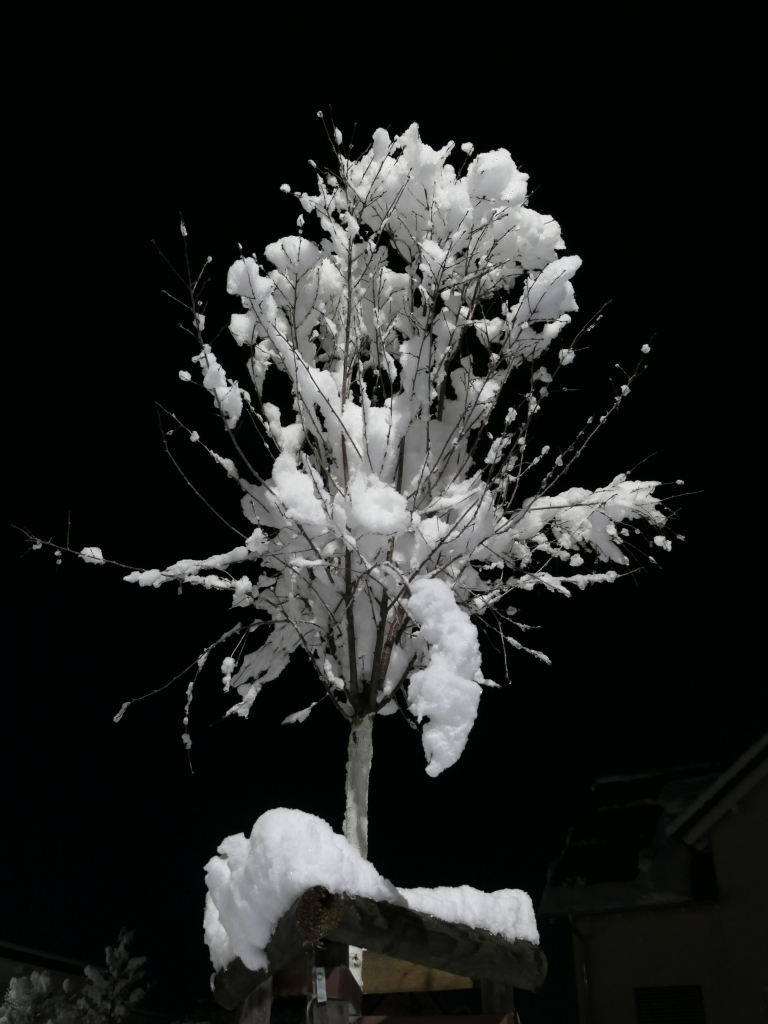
[[257, 1008], [343, 997], [497, 998]]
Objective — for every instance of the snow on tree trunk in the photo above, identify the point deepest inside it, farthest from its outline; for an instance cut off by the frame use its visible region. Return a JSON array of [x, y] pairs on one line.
[[359, 757]]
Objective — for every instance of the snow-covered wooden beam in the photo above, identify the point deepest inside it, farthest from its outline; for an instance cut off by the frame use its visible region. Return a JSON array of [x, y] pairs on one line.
[[390, 929]]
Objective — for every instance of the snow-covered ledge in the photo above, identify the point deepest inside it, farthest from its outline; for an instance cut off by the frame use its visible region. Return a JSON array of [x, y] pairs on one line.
[[296, 881]]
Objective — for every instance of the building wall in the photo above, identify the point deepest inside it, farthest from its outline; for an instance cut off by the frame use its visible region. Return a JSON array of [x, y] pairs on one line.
[[624, 951], [740, 847], [723, 947]]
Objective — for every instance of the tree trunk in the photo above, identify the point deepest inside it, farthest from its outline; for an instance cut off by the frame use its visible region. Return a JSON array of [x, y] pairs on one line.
[[359, 757]]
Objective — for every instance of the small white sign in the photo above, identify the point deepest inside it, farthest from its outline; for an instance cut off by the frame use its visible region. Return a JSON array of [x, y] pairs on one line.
[[320, 990]]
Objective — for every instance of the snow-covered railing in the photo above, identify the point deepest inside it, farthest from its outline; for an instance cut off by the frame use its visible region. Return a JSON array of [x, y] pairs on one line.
[[294, 886], [391, 929]]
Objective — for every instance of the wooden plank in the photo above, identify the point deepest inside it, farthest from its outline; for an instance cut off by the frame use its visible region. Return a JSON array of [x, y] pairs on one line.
[[383, 973], [455, 948], [465, 1019], [295, 979], [257, 1008], [232, 985], [393, 930], [333, 1012], [497, 998]]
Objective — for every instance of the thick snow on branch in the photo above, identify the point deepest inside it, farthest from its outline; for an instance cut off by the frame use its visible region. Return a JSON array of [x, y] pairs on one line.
[[228, 396], [253, 881], [577, 518], [394, 506], [446, 689]]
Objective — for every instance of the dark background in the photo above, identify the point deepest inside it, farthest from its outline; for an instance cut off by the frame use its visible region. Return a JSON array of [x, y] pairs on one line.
[[631, 134]]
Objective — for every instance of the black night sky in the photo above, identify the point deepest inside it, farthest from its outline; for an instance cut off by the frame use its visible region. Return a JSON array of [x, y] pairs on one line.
[[624, 131]]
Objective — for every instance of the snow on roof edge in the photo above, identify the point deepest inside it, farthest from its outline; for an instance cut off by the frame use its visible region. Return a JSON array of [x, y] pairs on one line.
[[728, 777], [695, 768]]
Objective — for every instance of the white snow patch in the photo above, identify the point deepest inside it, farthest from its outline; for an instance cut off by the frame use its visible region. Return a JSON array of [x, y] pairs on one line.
[[254, 881], [445, 690], [91, 555], [507, 912]]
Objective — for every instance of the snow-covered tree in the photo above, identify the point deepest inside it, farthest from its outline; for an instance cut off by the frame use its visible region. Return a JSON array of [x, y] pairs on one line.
[[36, 1000], [113, 991], [107, 997], [403, 502]]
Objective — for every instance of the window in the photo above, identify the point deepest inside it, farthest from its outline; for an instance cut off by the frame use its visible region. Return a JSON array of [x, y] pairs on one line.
[[670, 1004]]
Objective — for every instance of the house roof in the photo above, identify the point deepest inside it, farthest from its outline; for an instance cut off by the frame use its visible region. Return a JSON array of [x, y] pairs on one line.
[[643, 840], [618, 855], [11, 952], [694, 822]]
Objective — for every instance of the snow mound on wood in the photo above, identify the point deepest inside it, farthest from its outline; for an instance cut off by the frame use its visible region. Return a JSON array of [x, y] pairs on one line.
[[254, 881], [507, 912]]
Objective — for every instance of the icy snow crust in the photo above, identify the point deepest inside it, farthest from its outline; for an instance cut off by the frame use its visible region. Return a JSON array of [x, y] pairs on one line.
[[375, 498], [254, 881]]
